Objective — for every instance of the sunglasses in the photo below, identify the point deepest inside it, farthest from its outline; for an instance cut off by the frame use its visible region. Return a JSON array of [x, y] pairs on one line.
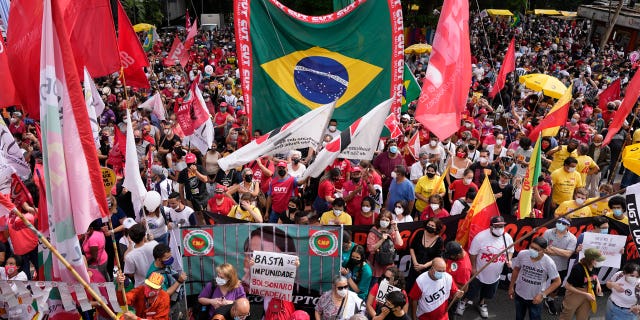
[[342, 287]]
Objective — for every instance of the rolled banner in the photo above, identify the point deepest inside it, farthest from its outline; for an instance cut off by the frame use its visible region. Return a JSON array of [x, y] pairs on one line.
[[633, 200]]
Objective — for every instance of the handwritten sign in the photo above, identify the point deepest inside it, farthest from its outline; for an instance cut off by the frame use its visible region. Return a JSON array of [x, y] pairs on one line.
[[108, 179], [609, 245], [273, 275], [383, 289]]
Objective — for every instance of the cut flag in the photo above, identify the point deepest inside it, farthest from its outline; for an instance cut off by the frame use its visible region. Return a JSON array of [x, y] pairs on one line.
[[440, 181], [132, 179], [95, 105], [508, 66], [359, 141], [530, 181], [414, 145], [12, 155], [154, 104], [202, 137], [411, 88], [556, 117], [446, 86], [611, 93], [392, 124], [631, 94], [75, 193], [175, 53], [132, 56], [303, 132], [479, 216], [8, 96], [192, 112]]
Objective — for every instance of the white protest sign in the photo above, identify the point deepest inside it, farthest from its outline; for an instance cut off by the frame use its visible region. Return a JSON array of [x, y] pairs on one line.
[[383, 289], [273, 275], [609, 245]]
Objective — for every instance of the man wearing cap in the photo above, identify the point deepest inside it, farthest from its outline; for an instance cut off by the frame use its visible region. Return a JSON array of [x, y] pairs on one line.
[[281, 188], [582, 286], [458, 263], [561, 153], [355, 190], [484, 246], [193, 183], [561, 245], [149, 300], [528, 287]]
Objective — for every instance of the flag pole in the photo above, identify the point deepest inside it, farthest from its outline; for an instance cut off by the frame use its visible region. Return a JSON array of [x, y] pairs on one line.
[[626, 142], [117, 258], [529, 234], [64, 261]]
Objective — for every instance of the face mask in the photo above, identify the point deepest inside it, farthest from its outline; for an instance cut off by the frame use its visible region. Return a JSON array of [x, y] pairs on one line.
[[220, 281], [604, 231], [561, 227], [603, 194], [499, 141], [503, 184], [282, 172], [434, 206], [228, 92], [296, 160], [11, 269], [167, 131], [598, 264], [617, 212], [223, 109], [498, 232], [137, 140], [342, 292], [366, 209], [248, 178], [579, 201], [394, 175], [533, 254], [356, 180], [424, 161], [467, 125], [597, 144], [219, 195], [471, 147], [168, 262], [337, 212], [571, 169], [433, 143], [332, 128], [487, 123], [398, 210], [438, 275], [467, 181], [150, 293], [631, 279], [483, 160], [384, 223], [460, 155], [430, 229], [393, 149], [574, 121], [430, 175]]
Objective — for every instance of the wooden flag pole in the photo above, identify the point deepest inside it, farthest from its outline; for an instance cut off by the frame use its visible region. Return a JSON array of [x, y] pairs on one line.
[[117, 261], [64, 261]]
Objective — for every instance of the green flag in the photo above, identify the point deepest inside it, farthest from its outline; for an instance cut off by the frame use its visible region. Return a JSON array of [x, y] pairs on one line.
[[291, 63], [529, 182], [150, 39], [411, 88]]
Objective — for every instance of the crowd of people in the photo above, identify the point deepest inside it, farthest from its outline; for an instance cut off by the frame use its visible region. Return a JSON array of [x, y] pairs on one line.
[[390, 189]]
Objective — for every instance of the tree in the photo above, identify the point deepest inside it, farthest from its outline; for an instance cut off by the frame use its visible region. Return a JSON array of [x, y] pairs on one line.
[[147, 11]]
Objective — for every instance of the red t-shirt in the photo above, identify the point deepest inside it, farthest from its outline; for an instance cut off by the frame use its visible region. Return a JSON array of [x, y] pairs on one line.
[[460, 189], [460, 270], [353, 205], [22, 237], [428, 213], [374, 292], [360, 220], [543, 189], [259, 176], [224, 208], [345, 167], [220, 118], [326, 188], [281, 191]]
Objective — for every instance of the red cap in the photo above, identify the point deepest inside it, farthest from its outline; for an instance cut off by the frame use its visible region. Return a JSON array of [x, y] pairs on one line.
[[482, 111], [282, 164], [356, 169], [190, 158], [223, 104], [241, 113]]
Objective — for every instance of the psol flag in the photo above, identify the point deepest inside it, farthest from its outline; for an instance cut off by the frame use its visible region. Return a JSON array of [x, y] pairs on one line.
[[291, 63]]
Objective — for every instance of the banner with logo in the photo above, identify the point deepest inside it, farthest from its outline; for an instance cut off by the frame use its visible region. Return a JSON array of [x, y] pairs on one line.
[[291, 62]]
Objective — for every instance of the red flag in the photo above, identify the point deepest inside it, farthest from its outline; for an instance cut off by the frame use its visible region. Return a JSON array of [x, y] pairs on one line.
[[191, 114], [19, 192], [43, 215], [132, 56], [175, 53], [479, 216], [414, 145], [392, 124], [188, 22], [8, 96], [188, 43], [448, 78], [508, 65], [631, 94], [94, 45], [611, 93], [556, 117], [120, 140], [6, 206]]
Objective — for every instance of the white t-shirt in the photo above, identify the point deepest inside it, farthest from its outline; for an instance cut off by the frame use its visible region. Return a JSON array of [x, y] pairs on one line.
[[484, 246], [137, 261], [156, 225], [627, 298], [457, 207], [417, 171], [533, 275], [430, 288], [406, 218], [181, 217], [296, 173]]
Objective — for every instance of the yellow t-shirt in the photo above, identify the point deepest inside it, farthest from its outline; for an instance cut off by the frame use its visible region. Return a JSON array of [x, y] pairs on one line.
[[624, 220], [570, 206], [424, 187], [563, 185], [560, 156], [585, 164], [237, 212], [328, 217], [599, 208]]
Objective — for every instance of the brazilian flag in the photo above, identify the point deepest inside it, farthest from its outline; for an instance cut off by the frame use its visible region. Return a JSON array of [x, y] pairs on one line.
[[411, 88], [291, 63]]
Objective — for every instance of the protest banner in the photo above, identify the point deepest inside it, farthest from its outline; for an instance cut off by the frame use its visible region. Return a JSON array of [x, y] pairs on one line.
[[273, 275], [383, 289], [609, 245]]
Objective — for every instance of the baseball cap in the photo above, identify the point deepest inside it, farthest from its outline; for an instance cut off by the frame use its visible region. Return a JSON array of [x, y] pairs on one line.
[[299, 315], [497, 220], [282, 164], [356, 169], [128, 223], [594, 254], [498, 127], [452, 248], [154, 281], [190, 158], [564, 221]]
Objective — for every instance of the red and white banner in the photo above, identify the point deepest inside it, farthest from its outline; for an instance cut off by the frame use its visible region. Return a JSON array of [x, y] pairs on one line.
[[132, 179], [192, 113], [132, 55], [154, 104], [392, 124], [202, 137], [414, 145]]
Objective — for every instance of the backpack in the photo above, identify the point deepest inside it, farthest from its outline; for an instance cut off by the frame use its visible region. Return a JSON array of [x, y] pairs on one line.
[[386, 253], [466, 207], [279, 309]]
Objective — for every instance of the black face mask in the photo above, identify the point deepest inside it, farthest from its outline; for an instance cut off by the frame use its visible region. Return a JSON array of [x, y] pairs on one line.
[[137, 140], [296, 161], [471, 147], [430, 175], [430, 229], [356, 180], [282, 172], [248, 178]]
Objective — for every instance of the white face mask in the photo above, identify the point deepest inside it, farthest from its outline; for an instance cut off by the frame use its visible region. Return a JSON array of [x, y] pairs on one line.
[[434, 206], [366, 209], [631, 279], [220, 281], [483, 160], [572, 169], [467, 181], [398, 210], [499, 142], [579, 201], [393, 175], [342, 292], [433, 143], [337, 213], [384, 223], [332, 128], [498, 231]]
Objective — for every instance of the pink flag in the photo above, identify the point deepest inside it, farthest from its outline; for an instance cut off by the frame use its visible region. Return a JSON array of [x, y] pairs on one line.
[[175, 53], [75, 193], [8, 96], [508, 65], [631, 94], [191, 38], [392, 124], [414, 145], [448, 77], [154, 104]]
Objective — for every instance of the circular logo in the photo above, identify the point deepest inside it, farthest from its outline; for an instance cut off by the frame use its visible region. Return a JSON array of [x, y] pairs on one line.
[[323, 243], [320, 79], [198, 242], [454, 266]]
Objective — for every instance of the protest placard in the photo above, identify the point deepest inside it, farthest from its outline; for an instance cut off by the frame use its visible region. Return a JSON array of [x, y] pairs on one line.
[[609, 245], [383, 289], [273, 275]]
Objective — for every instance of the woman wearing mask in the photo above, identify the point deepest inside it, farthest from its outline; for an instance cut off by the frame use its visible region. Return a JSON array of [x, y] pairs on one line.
[[289, 216], [427, 244], [582, 287], [245, 210], [395, 278], [425, 185], [225, 288], [621, 305], [457, 165], [220, 203], [94, 248], [358, 272], [497, 150], [366, 215], [338, 303], [401, 212], [155, 218], [385, 228], [248, 184], [459, 188], [326, 191], [11, 270], [435, 208]]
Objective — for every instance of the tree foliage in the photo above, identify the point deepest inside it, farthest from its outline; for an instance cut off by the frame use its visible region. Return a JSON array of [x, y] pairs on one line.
[[147, 11]]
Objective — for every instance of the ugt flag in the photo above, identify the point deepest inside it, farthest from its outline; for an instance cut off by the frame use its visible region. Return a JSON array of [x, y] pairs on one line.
[[291, 63]]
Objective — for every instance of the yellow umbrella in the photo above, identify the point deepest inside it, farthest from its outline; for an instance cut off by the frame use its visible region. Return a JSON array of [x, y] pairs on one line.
[[550, 86], [142, 27], [418, 48], [499, 12], [631, 158]]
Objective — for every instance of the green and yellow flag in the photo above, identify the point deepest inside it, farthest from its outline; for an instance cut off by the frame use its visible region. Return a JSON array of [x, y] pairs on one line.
[[530, 181], [411, 89], [291, 63]]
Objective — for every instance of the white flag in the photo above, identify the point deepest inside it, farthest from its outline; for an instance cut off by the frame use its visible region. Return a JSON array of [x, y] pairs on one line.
[[203, 136], [283, 136], [154, 104], [94, 102], [132, 180], [359, 141], [12, 154]]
